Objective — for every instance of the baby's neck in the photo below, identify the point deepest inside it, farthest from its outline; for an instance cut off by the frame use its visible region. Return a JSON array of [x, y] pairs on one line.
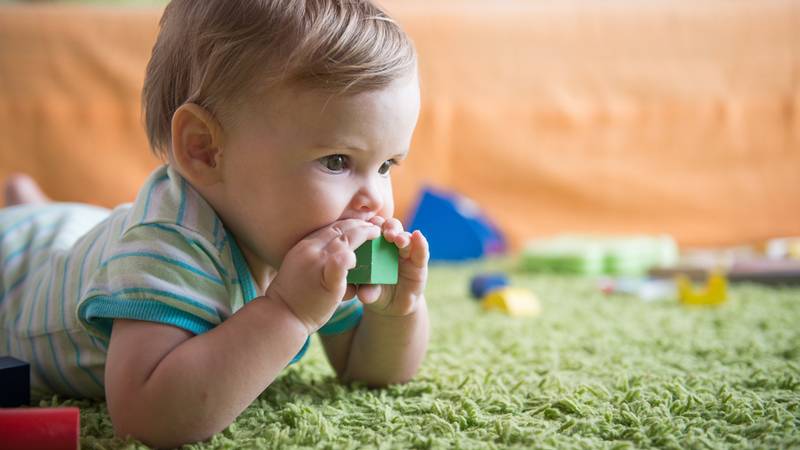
[[262, 272]]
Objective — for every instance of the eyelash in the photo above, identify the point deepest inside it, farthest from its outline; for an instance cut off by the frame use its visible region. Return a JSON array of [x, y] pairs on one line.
[[391, 162], [345, 164]]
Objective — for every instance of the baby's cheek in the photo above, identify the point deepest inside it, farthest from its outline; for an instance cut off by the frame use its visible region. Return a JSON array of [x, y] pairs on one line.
[[325, 209], [387, 212]]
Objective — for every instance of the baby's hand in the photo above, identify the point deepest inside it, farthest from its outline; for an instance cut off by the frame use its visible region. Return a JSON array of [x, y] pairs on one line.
[[401, 299], [312, 279]]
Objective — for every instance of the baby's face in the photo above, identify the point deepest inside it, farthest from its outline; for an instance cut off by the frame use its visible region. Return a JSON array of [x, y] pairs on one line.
[[307, 159]]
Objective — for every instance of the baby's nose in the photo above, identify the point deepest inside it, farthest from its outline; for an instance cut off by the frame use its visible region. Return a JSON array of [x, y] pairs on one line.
[[368, 199]]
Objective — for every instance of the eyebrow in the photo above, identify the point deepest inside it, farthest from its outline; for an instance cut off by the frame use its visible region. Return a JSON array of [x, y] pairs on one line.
[[332, 146], [402, 154]]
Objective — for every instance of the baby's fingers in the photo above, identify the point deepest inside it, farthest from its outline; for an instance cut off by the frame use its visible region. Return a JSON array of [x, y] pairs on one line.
[[351, 232], [350, 292], [334, 273], [405, 247], [369, 293], [418, 251], [393, 232]]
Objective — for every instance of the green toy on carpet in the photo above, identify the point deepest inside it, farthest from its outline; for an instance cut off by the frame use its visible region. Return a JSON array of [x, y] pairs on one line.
[[590, 372], [599, 255]]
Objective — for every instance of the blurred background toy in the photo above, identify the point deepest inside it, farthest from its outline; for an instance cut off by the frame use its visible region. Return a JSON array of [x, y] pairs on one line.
[[783, 248], [512, 301], [482, 284], [494, 293], [455, 227], [598, 255], [715, 292], [646, 289]]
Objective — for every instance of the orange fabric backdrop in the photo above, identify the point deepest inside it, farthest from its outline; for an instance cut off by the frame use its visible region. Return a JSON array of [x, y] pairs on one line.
[[618, 117]]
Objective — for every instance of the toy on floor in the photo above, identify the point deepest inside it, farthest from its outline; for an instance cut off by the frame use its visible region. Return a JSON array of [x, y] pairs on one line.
[[455, 227], [714, 293], [646, 289], [494, 293], [15, 382], [513, 301], [482, 284], [376, 263], [597, 255], [40, 428], [783, 248]]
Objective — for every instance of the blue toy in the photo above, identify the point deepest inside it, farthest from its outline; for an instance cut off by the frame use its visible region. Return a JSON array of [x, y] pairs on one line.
[[15, 382], [455, 227], [484, 283]]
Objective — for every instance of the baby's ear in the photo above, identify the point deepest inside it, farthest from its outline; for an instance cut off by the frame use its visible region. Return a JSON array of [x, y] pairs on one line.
[[196, 144]]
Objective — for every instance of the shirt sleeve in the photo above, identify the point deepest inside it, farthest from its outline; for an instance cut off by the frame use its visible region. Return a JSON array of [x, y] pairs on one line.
[[347, 316], [160, 274]]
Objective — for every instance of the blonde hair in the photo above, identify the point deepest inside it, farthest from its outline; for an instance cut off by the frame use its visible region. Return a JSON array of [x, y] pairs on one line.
[[216, 53]]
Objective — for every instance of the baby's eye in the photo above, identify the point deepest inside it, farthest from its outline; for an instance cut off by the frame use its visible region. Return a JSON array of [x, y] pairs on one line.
[[334, 163], [386, 166]]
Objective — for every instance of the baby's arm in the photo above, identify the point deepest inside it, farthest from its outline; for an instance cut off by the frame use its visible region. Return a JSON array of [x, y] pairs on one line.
[[167, 387], [381, 350], [390, 342]]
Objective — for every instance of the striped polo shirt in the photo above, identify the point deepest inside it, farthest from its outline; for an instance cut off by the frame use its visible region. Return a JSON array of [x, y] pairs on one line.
[[69, 270]]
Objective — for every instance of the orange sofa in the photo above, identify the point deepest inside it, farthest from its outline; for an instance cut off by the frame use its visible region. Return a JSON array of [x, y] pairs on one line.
[[612, 117]]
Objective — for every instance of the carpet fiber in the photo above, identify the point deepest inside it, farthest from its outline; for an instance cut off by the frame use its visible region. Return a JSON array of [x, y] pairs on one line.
[[591, 372]]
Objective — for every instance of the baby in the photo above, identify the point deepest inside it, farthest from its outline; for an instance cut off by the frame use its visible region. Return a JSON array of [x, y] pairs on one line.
[[279, 122]]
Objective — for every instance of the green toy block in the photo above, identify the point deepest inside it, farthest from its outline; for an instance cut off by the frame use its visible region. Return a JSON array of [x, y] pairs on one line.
[[599, 255], [376, 263]]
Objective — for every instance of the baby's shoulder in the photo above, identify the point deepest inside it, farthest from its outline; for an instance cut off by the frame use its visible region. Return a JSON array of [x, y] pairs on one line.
[[170, 212], [171, 237]]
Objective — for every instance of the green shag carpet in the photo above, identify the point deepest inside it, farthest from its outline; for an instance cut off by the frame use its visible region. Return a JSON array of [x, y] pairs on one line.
[[590, 372]]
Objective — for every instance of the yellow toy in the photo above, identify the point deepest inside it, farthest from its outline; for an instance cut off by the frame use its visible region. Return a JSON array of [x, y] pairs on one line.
[[513, 301], [714, 293]]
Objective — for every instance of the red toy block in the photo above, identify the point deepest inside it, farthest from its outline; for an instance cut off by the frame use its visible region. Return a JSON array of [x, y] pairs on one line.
[[40, 428]]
